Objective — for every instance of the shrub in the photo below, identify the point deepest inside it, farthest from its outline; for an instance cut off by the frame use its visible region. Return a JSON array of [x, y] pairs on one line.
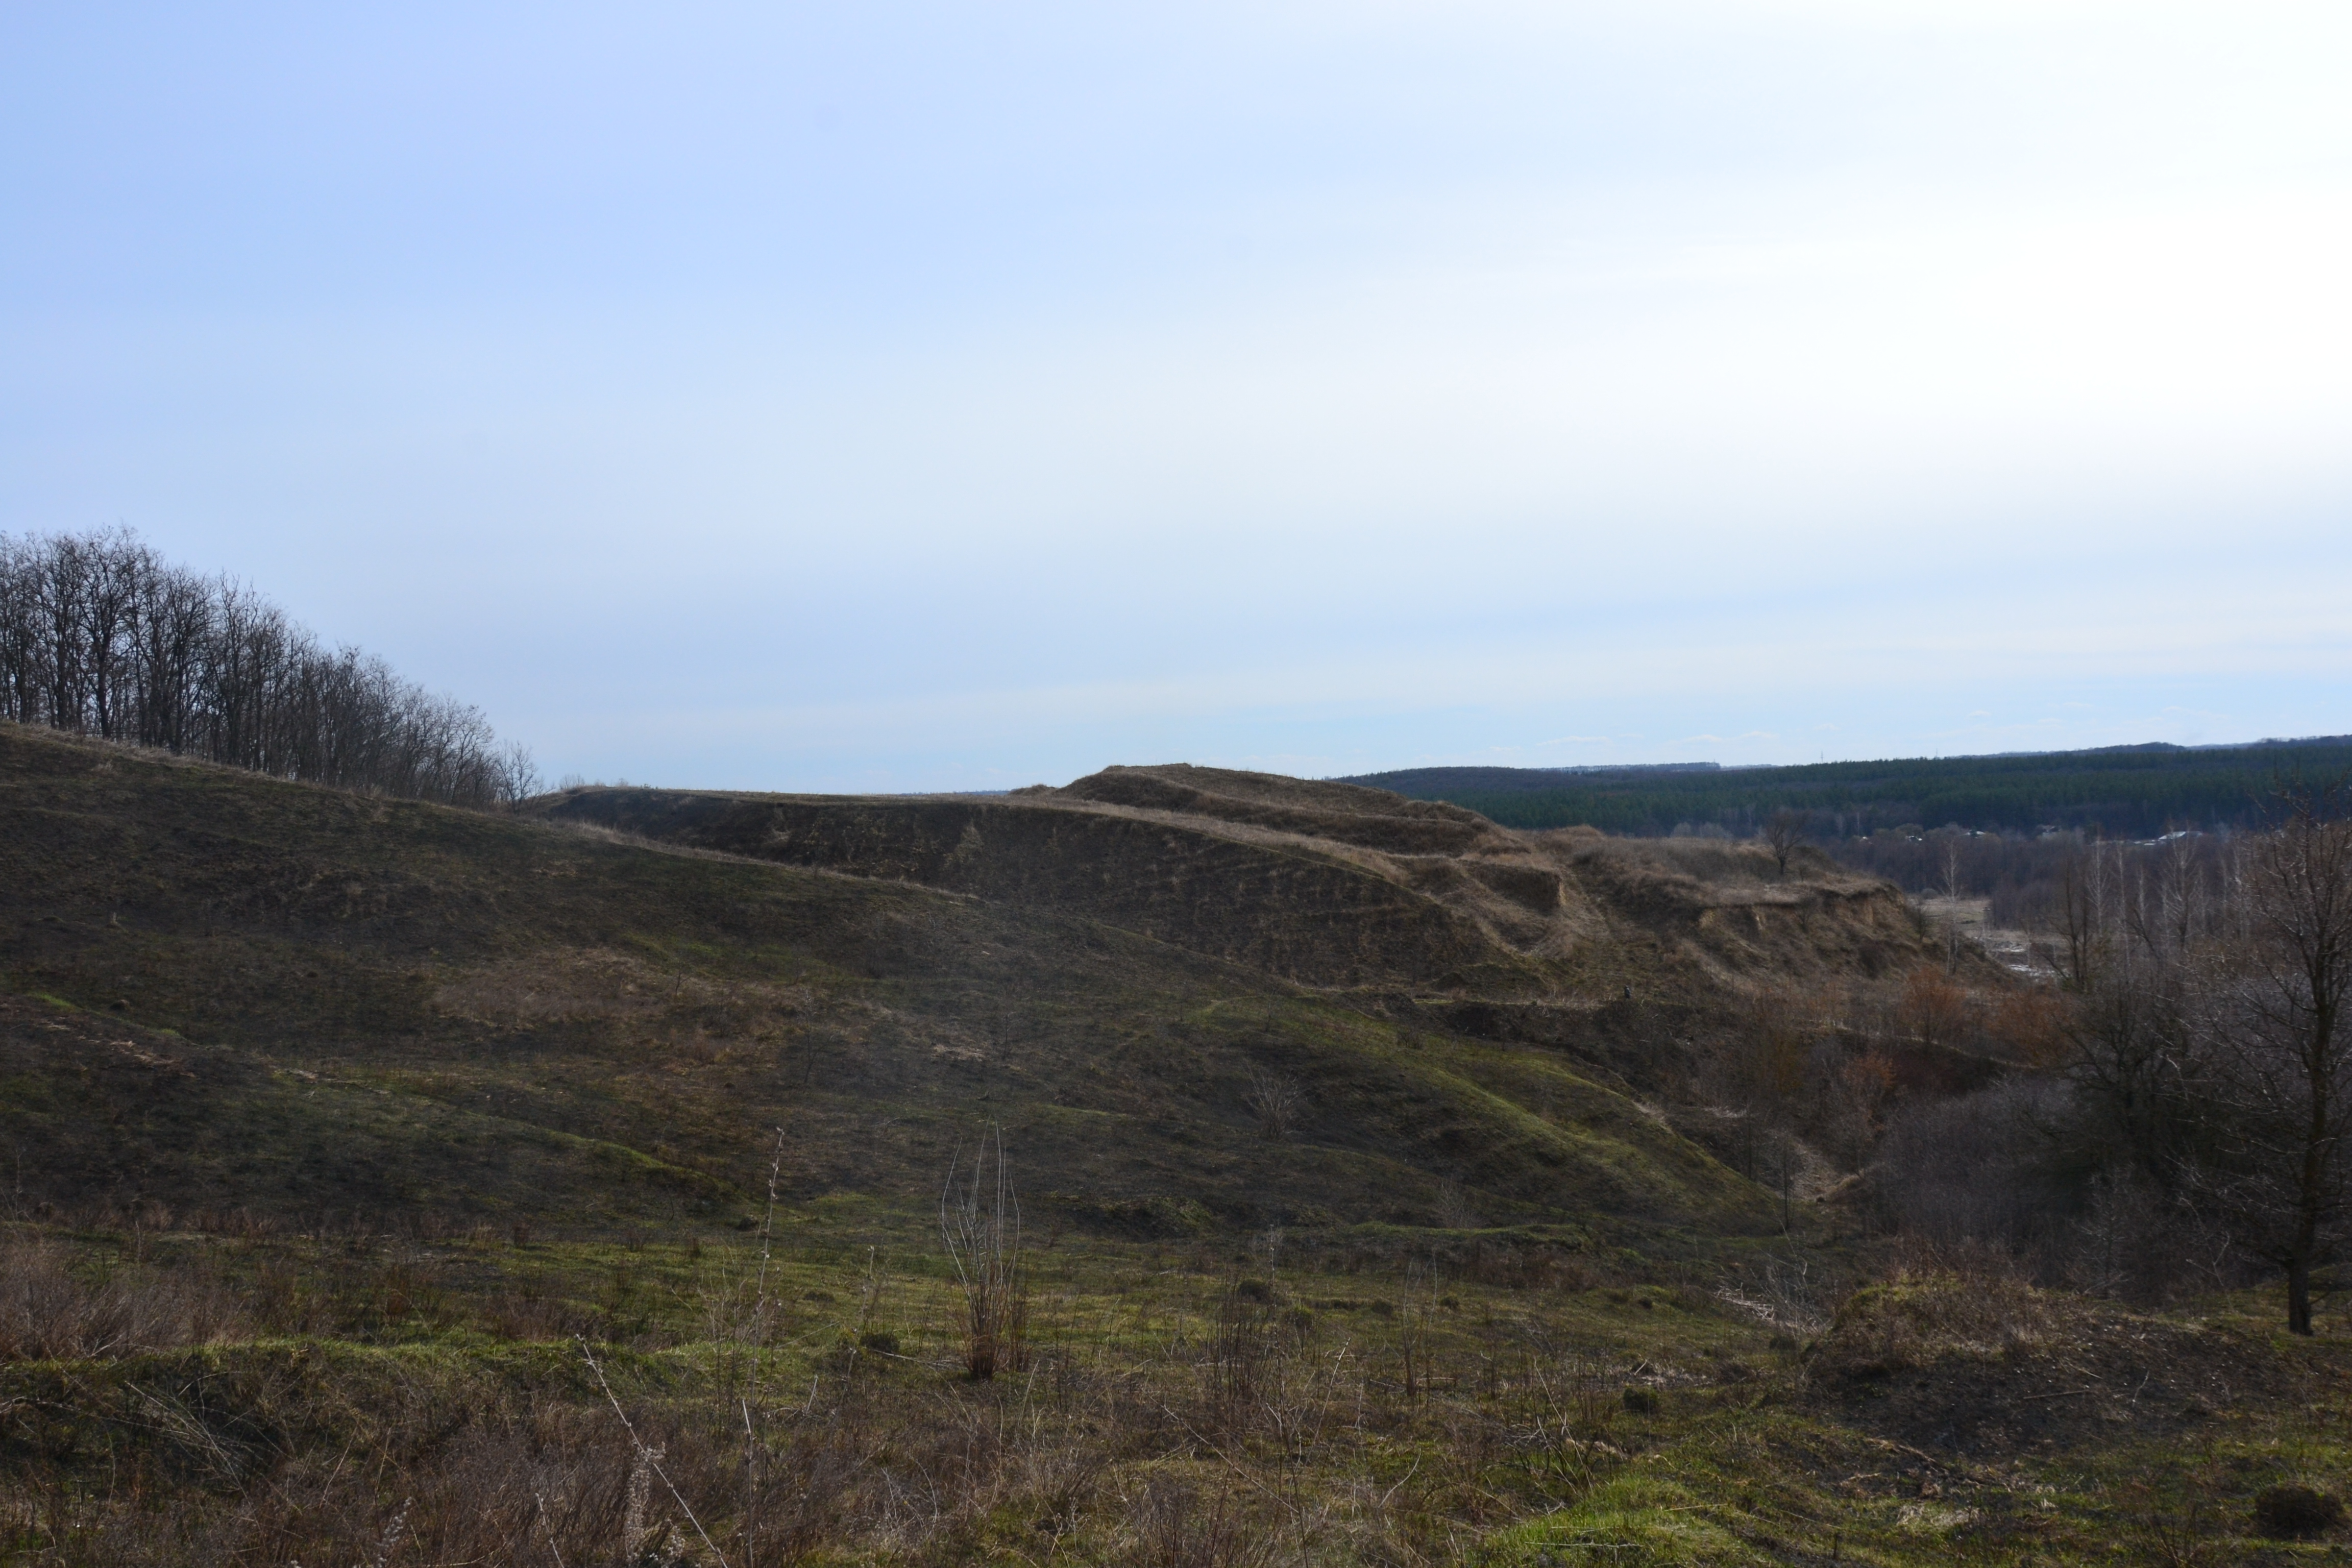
[[1274, 1100], [981, 1227]]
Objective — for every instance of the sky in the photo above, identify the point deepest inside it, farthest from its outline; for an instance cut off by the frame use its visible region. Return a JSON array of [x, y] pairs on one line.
[[925, 396]]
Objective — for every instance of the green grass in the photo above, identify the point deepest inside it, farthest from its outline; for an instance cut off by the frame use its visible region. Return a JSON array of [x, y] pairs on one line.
[[1399, 1408]]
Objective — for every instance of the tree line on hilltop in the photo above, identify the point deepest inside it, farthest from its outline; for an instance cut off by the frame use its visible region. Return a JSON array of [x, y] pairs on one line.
[[2125, 792], [99, 635]]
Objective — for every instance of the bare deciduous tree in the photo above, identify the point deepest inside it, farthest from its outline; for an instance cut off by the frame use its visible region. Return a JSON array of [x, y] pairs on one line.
[[2282, 1047], [1784, 830], [2137, 1072], [100, 637], [2082, 917]]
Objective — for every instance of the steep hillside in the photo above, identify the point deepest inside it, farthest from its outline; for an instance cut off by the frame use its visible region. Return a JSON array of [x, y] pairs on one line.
[[229, 992], [1331, 885]]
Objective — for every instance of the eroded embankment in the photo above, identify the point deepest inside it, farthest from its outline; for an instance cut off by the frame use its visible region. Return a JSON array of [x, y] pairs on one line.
[[1327, 885]]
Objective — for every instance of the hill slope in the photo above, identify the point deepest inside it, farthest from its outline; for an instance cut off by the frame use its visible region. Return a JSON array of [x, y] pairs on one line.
[[229, 992], [225, 994]]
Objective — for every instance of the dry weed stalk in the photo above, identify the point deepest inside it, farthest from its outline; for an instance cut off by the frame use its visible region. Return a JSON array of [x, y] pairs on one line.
[[641, 1492], [1416, 1316], [547, 1528], [981, 1227], [392, 1536], [750, 1394], [767, 1241], [1788, 1298], [1243, 1349], [1570, 1435], [649, 1457]]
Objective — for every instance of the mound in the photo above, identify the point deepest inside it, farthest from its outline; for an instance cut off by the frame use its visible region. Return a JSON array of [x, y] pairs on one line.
[[1344, 813], [1977, 1366]]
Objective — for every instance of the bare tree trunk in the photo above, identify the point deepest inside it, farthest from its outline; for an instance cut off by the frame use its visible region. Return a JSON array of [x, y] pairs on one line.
[[1951, 906]]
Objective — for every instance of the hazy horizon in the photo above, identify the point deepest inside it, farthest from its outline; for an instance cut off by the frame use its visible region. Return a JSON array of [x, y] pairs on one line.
[[915, 399]]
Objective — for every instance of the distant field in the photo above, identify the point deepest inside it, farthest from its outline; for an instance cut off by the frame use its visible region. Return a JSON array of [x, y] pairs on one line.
[[2120, 791]]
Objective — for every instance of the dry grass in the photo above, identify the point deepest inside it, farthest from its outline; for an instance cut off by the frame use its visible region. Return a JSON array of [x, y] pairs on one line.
[[751, 1419], [1915, 1319], [51, 1311], [762, 1405]]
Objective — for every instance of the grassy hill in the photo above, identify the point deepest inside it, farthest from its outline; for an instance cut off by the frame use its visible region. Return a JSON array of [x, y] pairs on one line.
[[389, 1184], [237, 992], [2133, 792]]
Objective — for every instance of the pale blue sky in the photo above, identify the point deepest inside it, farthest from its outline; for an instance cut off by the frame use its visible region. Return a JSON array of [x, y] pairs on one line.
[[931, 397]]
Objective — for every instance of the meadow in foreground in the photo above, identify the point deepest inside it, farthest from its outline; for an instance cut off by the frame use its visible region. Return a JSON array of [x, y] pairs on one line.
[[805, 1392]]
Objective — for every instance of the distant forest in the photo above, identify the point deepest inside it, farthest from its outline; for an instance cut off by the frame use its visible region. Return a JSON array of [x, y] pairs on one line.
[[2116, 792]]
